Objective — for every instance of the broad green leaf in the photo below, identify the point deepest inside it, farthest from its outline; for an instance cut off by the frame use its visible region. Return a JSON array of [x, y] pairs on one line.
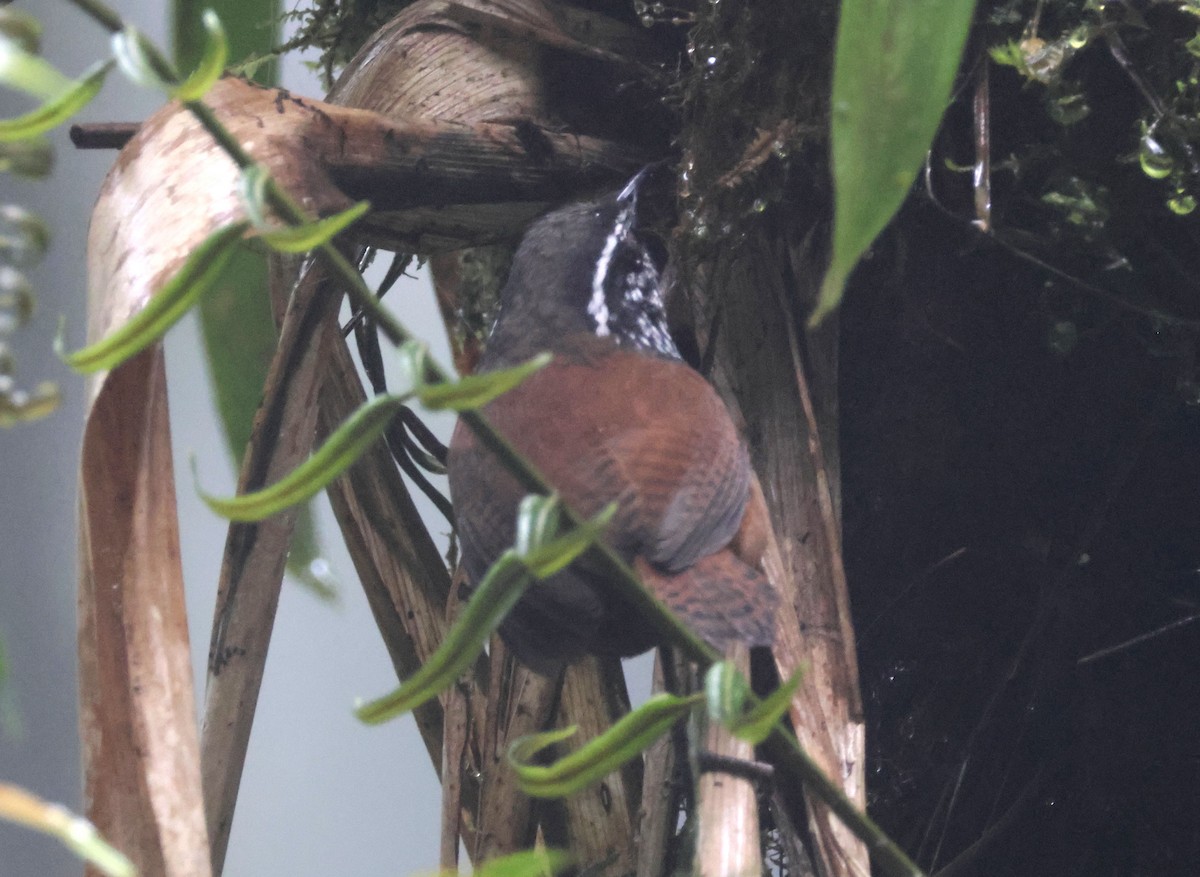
[[329, 461], [137, 58], [302, 238], [251, 28], [56, 110], [26, 72], [239, 340], [166, 307], [475, 391], [212, 61], [75, 832], [600, 756], [496, 595], [893, 69]]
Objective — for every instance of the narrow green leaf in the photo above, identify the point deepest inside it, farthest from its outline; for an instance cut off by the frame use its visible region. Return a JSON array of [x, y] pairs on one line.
[[302, 238], [21, 28], [75, 832], [24, 71], [599, 757], [538, 521], [725, 692], [165, 308], [329, 461], [56, 110], [893, 69], [526, 863], [499, 591], [252, 188], [142, 62], [212, 61], [135, 55], [19, 406], [32, 158], [538, 862], [24, 236], [544, 559], [412, 358], [758, 722], [475, 391]]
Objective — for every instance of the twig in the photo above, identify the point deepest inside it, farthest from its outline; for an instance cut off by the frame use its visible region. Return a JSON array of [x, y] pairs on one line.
[[103, 135], [1139, 639]]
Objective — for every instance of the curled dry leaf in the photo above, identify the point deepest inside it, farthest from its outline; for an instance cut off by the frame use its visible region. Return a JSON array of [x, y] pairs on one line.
[[137, 708]]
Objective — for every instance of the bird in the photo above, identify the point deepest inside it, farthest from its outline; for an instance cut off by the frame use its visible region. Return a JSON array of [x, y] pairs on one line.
[[616, 416]]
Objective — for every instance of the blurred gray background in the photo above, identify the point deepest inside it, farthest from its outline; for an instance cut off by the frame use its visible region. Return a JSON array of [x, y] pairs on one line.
[[321, 794]]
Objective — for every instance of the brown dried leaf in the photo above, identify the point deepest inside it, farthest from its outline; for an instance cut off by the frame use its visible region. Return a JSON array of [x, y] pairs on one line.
[[255, 553], [137, 709]]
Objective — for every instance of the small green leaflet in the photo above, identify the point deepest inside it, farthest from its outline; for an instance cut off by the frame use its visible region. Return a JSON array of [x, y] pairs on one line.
[[727, 693], [329, 461], [166, 306], [893, 69], [526, 863], [22, 70], [21, 28], [600, 756], [471, 392], [302, 238], [212, 62], [252, 188], [291, 239], [499, 591], [57, 110], [545, 557], [538, 521], [496, 595], [140, 61], [538, 862]]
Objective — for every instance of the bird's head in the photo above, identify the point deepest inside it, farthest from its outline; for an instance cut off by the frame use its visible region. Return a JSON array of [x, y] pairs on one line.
[[590, 267]]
